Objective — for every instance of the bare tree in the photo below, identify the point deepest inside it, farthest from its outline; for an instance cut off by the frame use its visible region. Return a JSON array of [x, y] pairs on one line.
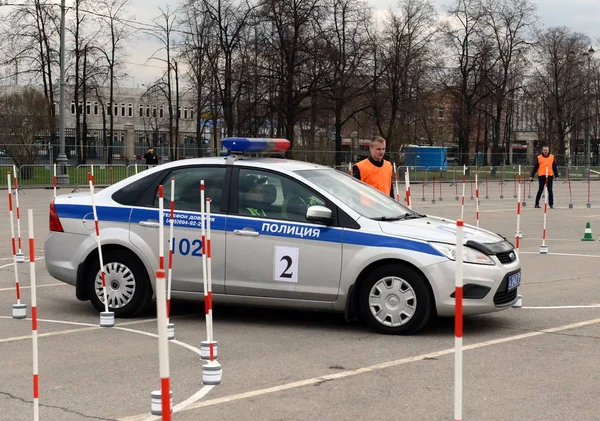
[[23, 116]]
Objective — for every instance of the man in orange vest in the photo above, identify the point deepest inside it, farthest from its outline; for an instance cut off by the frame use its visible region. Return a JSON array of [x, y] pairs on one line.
[[374, 170], [545, 162]]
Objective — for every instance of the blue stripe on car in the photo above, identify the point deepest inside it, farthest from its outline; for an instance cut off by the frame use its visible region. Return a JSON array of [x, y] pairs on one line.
[[333, 235]]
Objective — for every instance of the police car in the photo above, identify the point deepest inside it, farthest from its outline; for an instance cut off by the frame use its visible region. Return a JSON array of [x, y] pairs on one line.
[[284, 234]]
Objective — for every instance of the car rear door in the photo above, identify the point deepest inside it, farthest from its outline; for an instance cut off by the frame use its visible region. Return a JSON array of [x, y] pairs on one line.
[[278, 253], [187, 237]]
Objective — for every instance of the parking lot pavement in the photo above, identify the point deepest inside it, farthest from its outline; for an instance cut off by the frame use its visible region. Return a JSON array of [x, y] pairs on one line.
[[535, 363]]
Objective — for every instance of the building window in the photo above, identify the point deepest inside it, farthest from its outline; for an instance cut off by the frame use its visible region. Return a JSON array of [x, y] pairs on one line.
[[108, 110], [80, 108], [179, 113], [95, 108], [154, 111], [73, 108], [185, 113], [141, 109], [122, 110], [147, 111], [116, 109], [161, 111], [130, 110], [88, 108], [440, 113], [191, 113]]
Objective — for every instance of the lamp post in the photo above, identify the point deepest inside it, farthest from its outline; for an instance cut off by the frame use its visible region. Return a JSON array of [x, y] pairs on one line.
[[586, 126], [61, 160]]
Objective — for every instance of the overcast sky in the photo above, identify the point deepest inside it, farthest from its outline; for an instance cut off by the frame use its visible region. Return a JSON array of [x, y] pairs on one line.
[[580, 15]]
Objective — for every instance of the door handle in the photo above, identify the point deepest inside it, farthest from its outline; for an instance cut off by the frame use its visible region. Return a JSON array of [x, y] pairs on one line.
[[150, 224], [247, 232]]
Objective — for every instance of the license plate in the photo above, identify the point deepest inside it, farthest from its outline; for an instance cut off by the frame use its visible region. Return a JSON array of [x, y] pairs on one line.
[[514, 280]]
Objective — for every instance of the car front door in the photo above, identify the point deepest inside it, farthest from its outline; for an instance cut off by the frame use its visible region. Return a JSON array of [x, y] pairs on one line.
[[272, 250], [187, 237]]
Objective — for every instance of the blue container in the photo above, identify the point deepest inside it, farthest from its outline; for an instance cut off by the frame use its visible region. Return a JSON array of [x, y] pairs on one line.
[[426, 157]]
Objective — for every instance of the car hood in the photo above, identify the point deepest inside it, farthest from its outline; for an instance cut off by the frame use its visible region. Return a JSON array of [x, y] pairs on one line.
[[431, 228]]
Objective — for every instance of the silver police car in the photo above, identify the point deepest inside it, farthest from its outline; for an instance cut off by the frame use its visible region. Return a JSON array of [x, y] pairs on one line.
[[284, 234]]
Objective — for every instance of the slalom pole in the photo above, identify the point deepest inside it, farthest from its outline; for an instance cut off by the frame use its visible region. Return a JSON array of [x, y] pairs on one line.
[[471, 185], [54, 178], [107, 318], [161, 227], [433, 190], [204, 351], [423, 184], [477, 198], [455, 184], [589, 192], [136, 169], [462, 206], [212, 371], [20, 256], [161, 400], [544, 247], [524, 185], [518, 234], [396, 183], [486, 185], [570, 192], [407, 184], [502, 184], [34, 331], [458, 323], [19, 310], [170, 326], [441, 198]]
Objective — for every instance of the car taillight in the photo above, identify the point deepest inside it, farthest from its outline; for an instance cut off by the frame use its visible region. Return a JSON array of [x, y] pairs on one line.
[[55, 224]]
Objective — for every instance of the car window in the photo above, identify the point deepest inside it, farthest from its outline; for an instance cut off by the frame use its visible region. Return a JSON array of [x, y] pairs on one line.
[[269, 195], [131, 194], [187, 187]]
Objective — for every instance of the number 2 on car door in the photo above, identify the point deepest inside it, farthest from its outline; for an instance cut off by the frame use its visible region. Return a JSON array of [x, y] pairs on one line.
[[286, 264]]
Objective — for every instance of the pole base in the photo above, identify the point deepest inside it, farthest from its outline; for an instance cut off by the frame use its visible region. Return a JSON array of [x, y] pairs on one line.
[[156, 407], [543, 249], [422, 199], [433, 201], [519, 234], [440, 199], [212, 373], [20, 257], [487, 197], [529, 196], [107, 319], [472, 198], [588, 205], [524, 204], [456, 197], [514, 196], [19, 311], [501, 196], [570, 206], [205, 350], [170, 331], [519, 302]]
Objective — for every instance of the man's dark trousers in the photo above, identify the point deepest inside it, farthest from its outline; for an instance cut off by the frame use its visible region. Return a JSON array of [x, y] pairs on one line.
[[542, 180]]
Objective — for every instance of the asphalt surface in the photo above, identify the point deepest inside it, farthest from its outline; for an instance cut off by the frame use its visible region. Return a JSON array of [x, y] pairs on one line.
[[540, 362]]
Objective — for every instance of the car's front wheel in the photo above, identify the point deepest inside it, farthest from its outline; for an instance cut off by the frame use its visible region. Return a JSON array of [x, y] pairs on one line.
[[395, 299], [128, 287]]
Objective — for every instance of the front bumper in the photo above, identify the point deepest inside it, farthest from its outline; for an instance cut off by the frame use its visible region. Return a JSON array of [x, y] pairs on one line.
[[485, 287]]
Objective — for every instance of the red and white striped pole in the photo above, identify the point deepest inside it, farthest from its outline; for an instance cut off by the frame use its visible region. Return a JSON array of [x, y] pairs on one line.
[[589, 189], [518, 234], [107, 318], [433, 190], [204, 350], [161, 227], [19, 310], [54, 178], [464, 182], [487, 196], [162, 400], [170, 326], [407, 183], [212, 371], [570, 192], [544, 247], [34, 331], [477, 199], [19, 256], [458, 323], [455, 184], [396, 183]]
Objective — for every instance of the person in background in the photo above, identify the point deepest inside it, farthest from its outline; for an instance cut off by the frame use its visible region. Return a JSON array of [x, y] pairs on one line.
[[545, 160], [150, 157], [375, 170]]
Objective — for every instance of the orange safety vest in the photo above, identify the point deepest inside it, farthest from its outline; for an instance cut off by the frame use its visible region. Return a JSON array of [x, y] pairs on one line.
[[543, 162], [378, 177]]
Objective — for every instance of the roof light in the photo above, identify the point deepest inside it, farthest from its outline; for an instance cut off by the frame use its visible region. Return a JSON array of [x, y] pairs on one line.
[[249, 144]]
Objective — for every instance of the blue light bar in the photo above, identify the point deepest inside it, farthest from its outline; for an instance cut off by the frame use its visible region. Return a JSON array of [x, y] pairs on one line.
[[249, 144]]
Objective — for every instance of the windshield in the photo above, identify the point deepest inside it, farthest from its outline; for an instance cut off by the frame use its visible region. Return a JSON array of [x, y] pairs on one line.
[[362, 198]]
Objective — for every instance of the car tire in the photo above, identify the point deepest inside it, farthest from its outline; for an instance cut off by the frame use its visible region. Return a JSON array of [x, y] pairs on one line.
[[395, 299], [127, 284]]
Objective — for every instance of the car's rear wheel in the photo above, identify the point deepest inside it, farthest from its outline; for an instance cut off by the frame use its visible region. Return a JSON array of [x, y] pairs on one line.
[[395, 299], [128, 287]]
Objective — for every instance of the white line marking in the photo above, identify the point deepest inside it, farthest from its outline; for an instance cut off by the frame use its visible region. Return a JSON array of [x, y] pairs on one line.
[[381, 366], [89, 327], [560, 307], [26, 261], [37, 286], [561, 254]]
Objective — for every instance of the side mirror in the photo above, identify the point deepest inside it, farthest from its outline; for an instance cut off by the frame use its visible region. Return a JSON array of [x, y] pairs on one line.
[[319, 214]]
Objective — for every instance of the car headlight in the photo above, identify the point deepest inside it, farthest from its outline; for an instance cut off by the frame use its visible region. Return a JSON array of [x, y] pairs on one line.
[[470, 255]]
